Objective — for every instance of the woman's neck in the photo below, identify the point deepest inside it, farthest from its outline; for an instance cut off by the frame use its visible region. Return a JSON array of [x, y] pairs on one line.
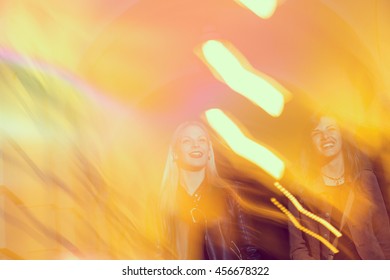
[[191, 180], [335, 167]]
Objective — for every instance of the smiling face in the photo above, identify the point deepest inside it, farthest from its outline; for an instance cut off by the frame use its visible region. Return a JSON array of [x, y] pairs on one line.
[[326, 137], [192, 148]]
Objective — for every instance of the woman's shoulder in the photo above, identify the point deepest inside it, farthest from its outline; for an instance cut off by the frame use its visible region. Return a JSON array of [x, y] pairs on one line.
[[367, 181], [367, 175]]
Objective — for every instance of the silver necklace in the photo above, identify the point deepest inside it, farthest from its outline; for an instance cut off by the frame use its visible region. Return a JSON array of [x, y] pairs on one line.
[[335, 181]]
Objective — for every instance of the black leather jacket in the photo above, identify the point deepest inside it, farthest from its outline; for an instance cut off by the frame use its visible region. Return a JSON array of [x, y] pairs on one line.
[[210, 224]]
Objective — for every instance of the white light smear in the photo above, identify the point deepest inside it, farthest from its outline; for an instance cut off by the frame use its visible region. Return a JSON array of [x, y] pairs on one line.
[[262, 8], [260, 90], [244, 146]]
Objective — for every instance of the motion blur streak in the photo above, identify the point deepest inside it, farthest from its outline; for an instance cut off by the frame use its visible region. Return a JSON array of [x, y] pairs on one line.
[[302, 228], [63, 171], [300, 208], [42, 69], [243, 146], [258, 88], [91, 93], [263, 8]]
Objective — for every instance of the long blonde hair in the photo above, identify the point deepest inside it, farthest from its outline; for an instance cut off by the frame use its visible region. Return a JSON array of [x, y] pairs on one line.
[[170, 180], [170, 184]]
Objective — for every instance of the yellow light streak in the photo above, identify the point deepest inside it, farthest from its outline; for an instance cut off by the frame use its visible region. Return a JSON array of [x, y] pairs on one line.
[[262, 8], [305, 212], [260, 156], [302, 228], [262, 91], [244, 146]]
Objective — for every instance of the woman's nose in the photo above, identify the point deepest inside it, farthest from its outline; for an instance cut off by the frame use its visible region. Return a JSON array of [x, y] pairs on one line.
[[324, 135]]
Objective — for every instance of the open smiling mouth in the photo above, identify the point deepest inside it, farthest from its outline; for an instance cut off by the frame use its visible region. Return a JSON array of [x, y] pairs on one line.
[[327, 145], [196, 154]]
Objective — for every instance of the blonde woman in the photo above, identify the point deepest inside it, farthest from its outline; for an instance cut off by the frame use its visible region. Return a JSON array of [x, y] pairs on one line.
[[201, 220]]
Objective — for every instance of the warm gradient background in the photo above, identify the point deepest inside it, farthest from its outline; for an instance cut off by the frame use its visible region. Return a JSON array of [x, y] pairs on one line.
[[92, 90]]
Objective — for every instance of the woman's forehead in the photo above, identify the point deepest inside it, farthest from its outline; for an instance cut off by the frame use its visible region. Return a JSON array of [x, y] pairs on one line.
[[325, 121], [192, 130]]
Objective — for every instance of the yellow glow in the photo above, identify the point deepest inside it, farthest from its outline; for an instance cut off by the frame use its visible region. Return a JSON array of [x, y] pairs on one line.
[[65, 192], [261, 91], [244, 146], [300, 208], [87, 175], [262, 8], [302, 228]]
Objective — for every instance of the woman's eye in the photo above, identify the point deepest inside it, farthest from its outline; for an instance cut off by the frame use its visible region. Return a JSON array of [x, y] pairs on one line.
[[314, 134], [185, 141], [203, 140]]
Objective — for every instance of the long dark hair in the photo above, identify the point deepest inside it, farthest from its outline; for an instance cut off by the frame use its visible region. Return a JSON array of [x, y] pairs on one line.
[[311, 161]]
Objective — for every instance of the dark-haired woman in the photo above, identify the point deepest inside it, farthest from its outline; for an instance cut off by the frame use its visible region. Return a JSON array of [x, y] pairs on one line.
[[339, 185]]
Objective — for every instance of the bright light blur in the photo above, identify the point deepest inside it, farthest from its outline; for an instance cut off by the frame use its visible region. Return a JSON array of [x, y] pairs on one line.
[[296, 223], [243, 81], [264, 8], [300, 208], [243, 146], [67, 177], [91, 93]]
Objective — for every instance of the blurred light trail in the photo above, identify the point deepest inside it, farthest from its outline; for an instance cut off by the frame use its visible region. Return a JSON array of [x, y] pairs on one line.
[[258, 88], [262, 8], [54, 158], [302, 228], [258, 155], [244, 146], [309, 214]]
